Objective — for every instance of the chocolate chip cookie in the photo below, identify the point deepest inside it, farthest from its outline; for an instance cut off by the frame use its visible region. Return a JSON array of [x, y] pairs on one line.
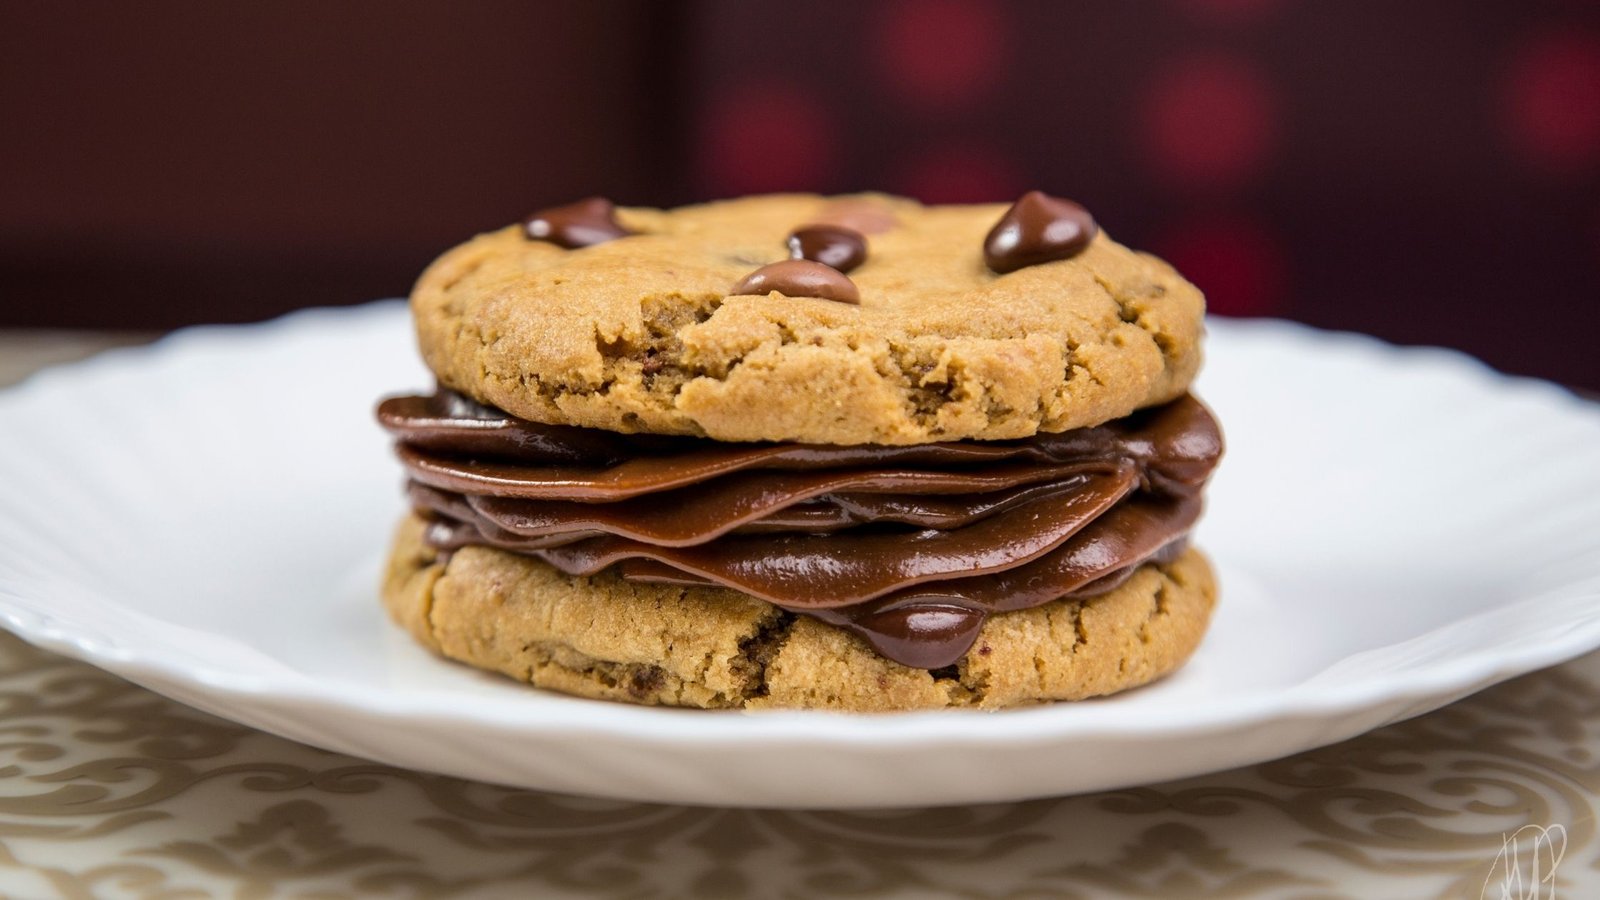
[[675, 322], [793, 451]]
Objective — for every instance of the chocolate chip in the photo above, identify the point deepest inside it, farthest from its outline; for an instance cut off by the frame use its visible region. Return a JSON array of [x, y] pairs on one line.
[[799, 278], [1038, 228], [582, 224], [646, 681], [832, 245], [863, 216]]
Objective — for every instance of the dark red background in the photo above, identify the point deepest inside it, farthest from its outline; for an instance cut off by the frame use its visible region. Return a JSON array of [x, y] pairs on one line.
[[1426, 171]]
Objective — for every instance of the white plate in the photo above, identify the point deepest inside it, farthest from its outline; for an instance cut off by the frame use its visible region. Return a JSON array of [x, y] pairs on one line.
[[1393, 528]]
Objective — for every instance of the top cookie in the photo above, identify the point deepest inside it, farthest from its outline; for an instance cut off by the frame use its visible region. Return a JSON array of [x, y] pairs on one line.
[[640, 333]]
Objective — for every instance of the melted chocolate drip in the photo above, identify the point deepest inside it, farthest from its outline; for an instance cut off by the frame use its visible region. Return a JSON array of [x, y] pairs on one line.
[[1038, 228], [909, 547], [831, 245], [581, 224], [799, 278]]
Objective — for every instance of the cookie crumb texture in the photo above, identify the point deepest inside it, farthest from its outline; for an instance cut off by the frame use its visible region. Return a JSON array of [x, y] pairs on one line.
[[639, 333], [606, 638]]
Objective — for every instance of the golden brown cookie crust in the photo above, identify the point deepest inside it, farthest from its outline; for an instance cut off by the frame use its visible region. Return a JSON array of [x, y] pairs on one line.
[[637, 334], [610, 639]]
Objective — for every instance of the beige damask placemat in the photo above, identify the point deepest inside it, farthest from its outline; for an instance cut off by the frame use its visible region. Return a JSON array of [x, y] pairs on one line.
[[108, 790]]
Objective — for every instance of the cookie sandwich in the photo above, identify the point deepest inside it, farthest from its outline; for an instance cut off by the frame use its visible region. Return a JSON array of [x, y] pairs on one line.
[[851, 453]]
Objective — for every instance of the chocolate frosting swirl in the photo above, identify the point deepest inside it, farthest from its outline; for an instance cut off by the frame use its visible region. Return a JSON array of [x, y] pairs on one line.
[[910, 547]]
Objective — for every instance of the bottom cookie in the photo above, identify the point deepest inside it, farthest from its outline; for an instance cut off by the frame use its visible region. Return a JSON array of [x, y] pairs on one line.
[[611, 639]]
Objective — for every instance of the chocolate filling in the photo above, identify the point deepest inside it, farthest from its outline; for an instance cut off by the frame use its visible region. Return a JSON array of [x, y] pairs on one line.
[[910, 547]]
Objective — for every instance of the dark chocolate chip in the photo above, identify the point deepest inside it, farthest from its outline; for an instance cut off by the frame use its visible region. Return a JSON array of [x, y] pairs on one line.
[[864, 216], [1038, 228], [799, 278], [646, 681], [582, 224], [832, 245]]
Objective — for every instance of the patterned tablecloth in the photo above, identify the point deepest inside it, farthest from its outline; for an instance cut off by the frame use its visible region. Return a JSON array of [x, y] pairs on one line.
[[108, 790]]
